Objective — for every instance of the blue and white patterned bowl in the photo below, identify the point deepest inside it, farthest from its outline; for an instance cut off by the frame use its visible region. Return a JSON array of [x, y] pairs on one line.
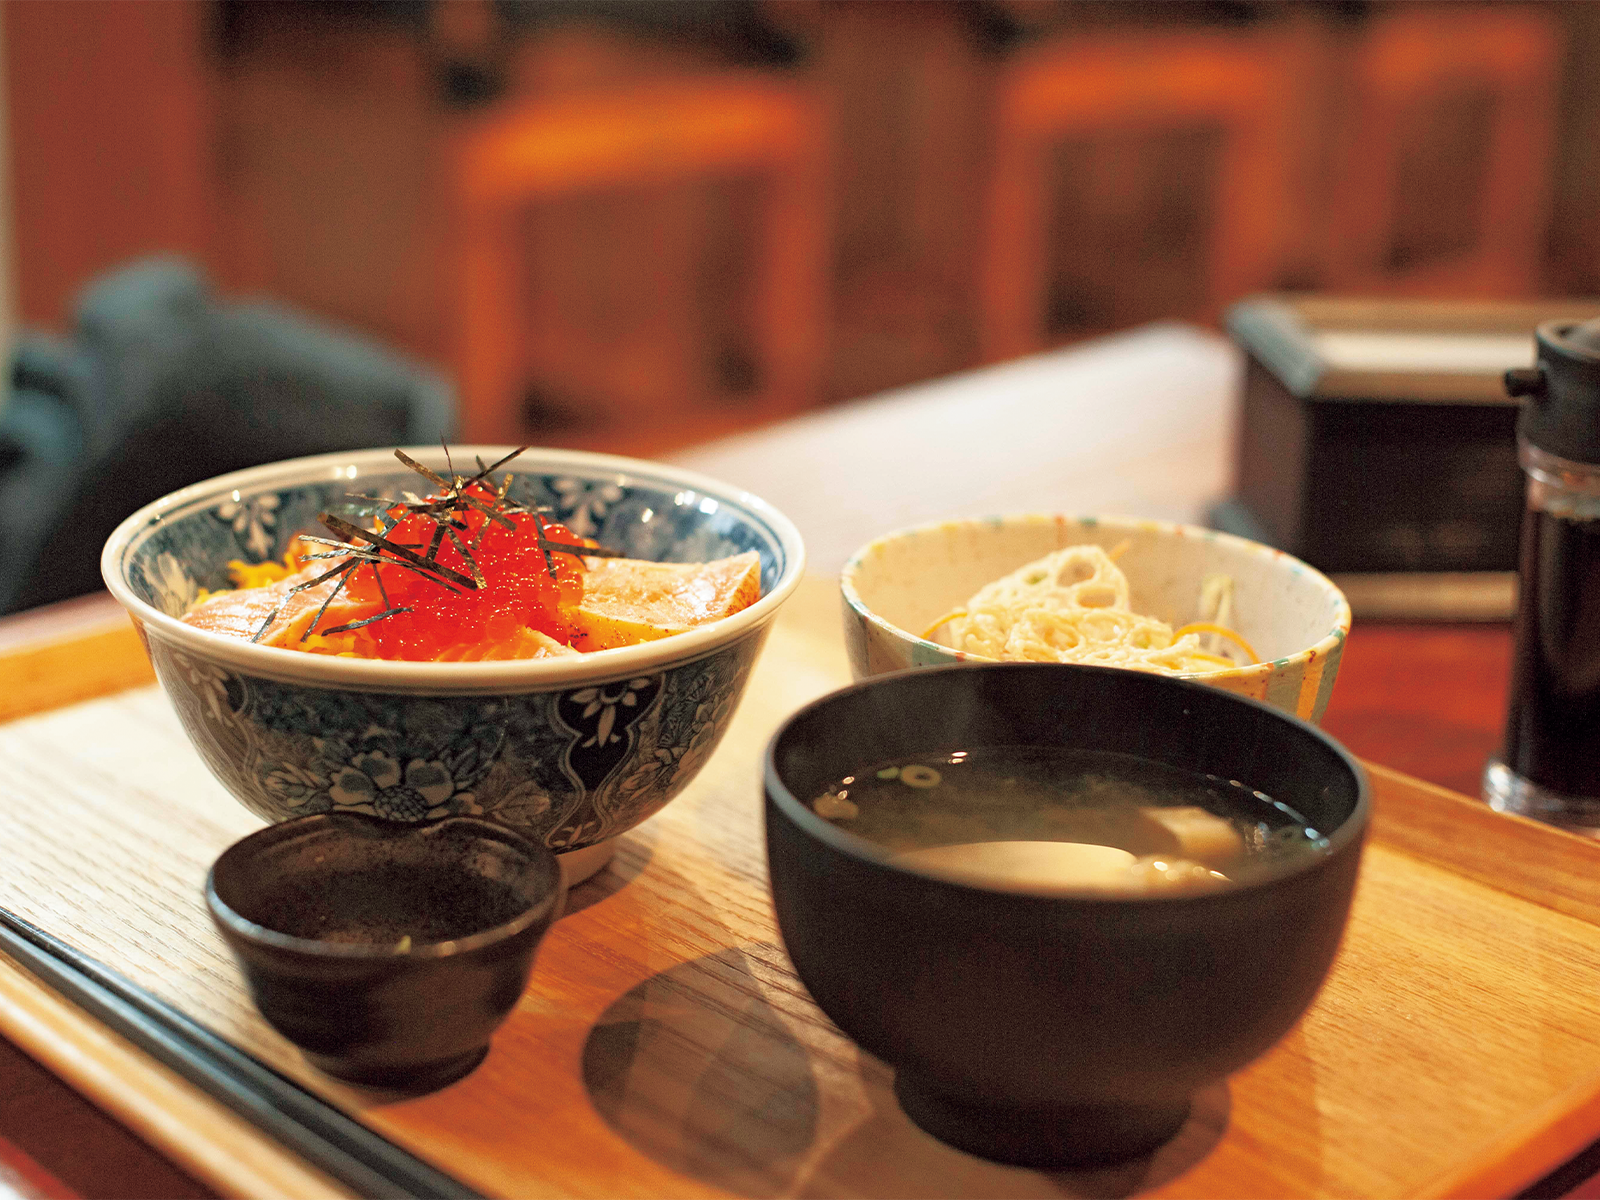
[[572, 750]]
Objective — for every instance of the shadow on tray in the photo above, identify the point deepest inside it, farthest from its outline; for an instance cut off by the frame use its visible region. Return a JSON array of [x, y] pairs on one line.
[[698, 1069]]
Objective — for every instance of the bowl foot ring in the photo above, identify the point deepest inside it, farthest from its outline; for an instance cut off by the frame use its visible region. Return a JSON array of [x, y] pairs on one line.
[[1042, 1138], [578, 865], [420, 1077]]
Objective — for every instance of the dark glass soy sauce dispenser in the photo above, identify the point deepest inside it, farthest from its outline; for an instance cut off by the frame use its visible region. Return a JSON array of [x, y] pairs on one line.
[[1549, 762]]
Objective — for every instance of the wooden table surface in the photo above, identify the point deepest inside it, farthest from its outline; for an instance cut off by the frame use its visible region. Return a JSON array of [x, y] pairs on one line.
[[1139, 424]]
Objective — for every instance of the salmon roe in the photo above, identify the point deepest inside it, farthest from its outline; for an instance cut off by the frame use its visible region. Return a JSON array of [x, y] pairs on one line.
[[519, 592]]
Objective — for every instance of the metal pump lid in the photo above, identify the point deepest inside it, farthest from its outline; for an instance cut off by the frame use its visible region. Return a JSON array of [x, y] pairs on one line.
[[1561, 410]]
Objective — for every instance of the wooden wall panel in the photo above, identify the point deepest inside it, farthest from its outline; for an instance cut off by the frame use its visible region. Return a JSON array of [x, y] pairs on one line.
[[110, 107]]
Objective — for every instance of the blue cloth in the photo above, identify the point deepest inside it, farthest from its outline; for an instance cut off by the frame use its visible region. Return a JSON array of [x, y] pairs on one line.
[[41, 461], [161, 386]]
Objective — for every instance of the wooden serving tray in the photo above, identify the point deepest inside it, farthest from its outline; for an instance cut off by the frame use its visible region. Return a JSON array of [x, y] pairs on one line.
[[664, 1048]]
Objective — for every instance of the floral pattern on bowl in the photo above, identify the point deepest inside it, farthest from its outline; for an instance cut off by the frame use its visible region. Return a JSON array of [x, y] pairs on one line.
[[574, 767], [573, 750]]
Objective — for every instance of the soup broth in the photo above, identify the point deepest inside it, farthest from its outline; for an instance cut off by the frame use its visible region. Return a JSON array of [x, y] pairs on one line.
[[1056, 820]]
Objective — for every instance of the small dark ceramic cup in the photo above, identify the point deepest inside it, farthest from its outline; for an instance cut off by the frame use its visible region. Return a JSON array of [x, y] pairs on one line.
[[1056, 1030], [388, 952]]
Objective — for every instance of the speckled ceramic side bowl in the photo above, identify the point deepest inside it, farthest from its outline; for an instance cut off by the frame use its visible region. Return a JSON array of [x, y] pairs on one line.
[[572, 751], [1296, 619]]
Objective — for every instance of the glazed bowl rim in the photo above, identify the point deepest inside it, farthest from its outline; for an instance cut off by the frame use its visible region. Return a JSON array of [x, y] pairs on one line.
[[514, 675], [321, 948], [799, 814], [1321, 648]]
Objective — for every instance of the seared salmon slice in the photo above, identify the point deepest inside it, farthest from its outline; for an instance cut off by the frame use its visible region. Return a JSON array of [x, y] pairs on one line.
[[240, 613], [625, 601]]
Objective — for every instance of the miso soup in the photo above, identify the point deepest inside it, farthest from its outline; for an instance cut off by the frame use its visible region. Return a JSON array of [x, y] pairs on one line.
[[1056, 820]]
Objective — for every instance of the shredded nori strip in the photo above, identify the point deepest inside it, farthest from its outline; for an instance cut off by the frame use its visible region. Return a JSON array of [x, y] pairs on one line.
[[445, 511], [300, 587], [547, 545], [328, 574], [344, 578], [457, 490], [435, 542], [383, 594], [266, 624], [427, 473], [402, 555], [484, 472], [477, 571], [349, 625], [538, 525], [499, 518]]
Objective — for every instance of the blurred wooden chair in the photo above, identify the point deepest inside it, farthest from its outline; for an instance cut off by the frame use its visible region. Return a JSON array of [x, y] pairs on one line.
[[1243, 83], [655, 136], [1441, 177]]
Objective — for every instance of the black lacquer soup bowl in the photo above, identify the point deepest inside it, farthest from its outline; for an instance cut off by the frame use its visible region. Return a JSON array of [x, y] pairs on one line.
[[1056, 1030]]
